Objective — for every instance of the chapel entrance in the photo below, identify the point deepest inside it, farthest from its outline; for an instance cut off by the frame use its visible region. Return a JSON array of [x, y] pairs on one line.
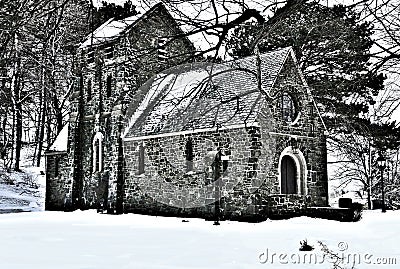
[[288, 176]]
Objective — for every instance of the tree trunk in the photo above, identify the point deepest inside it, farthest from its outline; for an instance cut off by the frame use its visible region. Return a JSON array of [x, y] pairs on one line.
[[41, 133], [18, 136]]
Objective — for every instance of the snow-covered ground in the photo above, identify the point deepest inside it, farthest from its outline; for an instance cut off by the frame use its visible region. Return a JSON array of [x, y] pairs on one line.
[[87, 240], [23, 191]]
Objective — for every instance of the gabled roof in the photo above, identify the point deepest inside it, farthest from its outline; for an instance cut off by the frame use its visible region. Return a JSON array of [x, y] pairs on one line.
[[112, 29], [204, 95]]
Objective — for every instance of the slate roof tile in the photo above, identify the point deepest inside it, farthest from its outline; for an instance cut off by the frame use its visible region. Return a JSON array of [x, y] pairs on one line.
[[204, 95]]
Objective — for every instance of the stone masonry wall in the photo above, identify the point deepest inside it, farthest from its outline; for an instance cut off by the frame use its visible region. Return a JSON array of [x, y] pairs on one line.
[[58, 183], [167, 185]]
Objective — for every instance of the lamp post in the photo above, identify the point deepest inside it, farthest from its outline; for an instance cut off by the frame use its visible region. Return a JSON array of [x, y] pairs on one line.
[[213, 160], [217, 182], [382, 165]]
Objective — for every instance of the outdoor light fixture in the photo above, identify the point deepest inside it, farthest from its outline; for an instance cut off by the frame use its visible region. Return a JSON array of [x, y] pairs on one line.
[[382, 165]]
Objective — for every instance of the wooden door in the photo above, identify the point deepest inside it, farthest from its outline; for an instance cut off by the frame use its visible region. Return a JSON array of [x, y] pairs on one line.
[[288, 176]]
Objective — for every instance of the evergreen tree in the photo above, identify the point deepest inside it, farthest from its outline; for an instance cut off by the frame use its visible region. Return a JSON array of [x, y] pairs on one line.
[[111, 10], [333, 50]]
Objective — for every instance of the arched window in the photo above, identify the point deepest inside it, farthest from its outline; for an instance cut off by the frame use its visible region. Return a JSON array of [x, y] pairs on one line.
[[97, 152], [288, 108], [189, 155]]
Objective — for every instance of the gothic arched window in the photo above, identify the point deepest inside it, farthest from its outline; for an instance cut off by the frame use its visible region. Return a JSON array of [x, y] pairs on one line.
[[288, 107], [97, 152]]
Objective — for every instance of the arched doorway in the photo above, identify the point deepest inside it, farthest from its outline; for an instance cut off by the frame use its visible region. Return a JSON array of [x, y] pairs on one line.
[[288, 175]]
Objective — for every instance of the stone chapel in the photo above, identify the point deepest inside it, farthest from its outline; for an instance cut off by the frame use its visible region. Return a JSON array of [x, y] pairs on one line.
[[151, 133]]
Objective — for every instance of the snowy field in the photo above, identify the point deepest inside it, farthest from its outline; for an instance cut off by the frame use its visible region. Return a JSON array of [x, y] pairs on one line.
[[87, 240]]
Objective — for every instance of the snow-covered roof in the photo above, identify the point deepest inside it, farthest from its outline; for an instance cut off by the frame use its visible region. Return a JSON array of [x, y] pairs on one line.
[[113, 28], [204, 95], [109, 30], [60, 144]]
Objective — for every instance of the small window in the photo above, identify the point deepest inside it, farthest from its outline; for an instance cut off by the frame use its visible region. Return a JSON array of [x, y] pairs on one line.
[[225, 164], [141, 159], [288, 108], [109, 81], [162, 48], [97, 152], [189, 155], [89, 90], [90, 56], [109, 52], [312, 129]]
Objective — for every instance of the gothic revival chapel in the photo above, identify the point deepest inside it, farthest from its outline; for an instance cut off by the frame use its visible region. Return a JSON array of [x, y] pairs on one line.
[[148, 134]]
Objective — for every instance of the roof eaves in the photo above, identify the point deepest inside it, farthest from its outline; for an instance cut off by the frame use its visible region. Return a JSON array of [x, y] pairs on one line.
[[195, 131]]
